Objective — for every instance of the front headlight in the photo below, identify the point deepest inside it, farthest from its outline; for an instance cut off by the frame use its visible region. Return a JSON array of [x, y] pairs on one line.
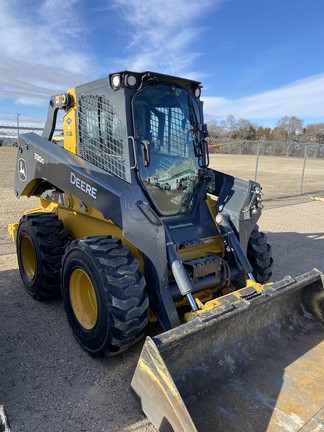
[[115, 81], [197, 92], [130, 80]]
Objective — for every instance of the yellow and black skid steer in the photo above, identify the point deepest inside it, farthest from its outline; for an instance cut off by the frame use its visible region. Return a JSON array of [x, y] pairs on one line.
[[133, 226]]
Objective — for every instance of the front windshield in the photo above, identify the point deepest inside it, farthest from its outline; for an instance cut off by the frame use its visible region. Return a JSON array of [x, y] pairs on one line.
[[166, 122]]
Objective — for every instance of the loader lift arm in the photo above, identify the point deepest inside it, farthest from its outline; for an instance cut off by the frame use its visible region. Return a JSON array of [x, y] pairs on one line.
[[57, 102]]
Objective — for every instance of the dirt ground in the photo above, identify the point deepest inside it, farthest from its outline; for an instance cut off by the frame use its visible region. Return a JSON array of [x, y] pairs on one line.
[[47, 383]]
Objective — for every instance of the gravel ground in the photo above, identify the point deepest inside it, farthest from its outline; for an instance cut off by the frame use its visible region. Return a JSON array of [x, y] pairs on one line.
[[47, 383]]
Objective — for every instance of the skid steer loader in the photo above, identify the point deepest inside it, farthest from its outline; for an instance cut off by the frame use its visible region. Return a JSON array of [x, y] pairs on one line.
[[133, 226]]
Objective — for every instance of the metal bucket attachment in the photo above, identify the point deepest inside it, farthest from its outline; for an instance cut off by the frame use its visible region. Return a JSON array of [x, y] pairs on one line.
[[4, 423], [256, 365]]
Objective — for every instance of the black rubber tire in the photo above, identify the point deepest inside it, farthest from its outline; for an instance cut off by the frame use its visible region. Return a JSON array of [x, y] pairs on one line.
[[106, 303], [259, 254], [41, 242]]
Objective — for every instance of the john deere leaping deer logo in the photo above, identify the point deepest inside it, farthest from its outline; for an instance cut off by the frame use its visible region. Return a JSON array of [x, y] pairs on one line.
[[22, 170]]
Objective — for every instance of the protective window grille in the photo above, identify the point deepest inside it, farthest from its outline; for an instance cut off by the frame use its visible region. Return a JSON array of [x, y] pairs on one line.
[[176, 132], [100, 132]]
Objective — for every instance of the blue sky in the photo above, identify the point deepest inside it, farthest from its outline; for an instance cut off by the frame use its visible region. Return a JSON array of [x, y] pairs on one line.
[[257, 59]]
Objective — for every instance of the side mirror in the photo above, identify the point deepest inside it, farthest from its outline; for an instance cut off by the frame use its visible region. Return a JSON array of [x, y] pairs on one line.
[[204, 157], [204, 130], [146, 152]]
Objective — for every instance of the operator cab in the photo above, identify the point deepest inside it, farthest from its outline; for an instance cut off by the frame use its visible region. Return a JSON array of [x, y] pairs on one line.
[[170, 146]]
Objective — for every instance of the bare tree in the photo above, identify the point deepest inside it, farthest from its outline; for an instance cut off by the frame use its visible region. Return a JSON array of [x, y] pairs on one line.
[[263, 133], [215, 130], [288, 132], [289, 128], [315, 133], [230, 126], [246, 130]]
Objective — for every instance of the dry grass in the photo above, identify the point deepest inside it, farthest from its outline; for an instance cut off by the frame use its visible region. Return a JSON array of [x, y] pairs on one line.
[[279, 176]]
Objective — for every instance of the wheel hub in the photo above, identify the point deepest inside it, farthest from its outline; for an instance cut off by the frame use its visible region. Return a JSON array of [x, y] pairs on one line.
[[28, 257], [83, 299]]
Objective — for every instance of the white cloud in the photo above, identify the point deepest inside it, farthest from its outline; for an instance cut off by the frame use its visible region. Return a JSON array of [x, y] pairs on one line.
[[303, 98], [41, 32], [44, 49], [40, 48], [163, 34]]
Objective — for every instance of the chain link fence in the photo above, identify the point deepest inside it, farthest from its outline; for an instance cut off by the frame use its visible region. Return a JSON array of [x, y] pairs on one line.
[[9, 135], [283, 168], [267, 148]]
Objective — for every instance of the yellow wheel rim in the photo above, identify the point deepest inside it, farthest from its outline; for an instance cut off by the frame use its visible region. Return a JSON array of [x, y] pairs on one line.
[[28, 257], [83, 299]]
